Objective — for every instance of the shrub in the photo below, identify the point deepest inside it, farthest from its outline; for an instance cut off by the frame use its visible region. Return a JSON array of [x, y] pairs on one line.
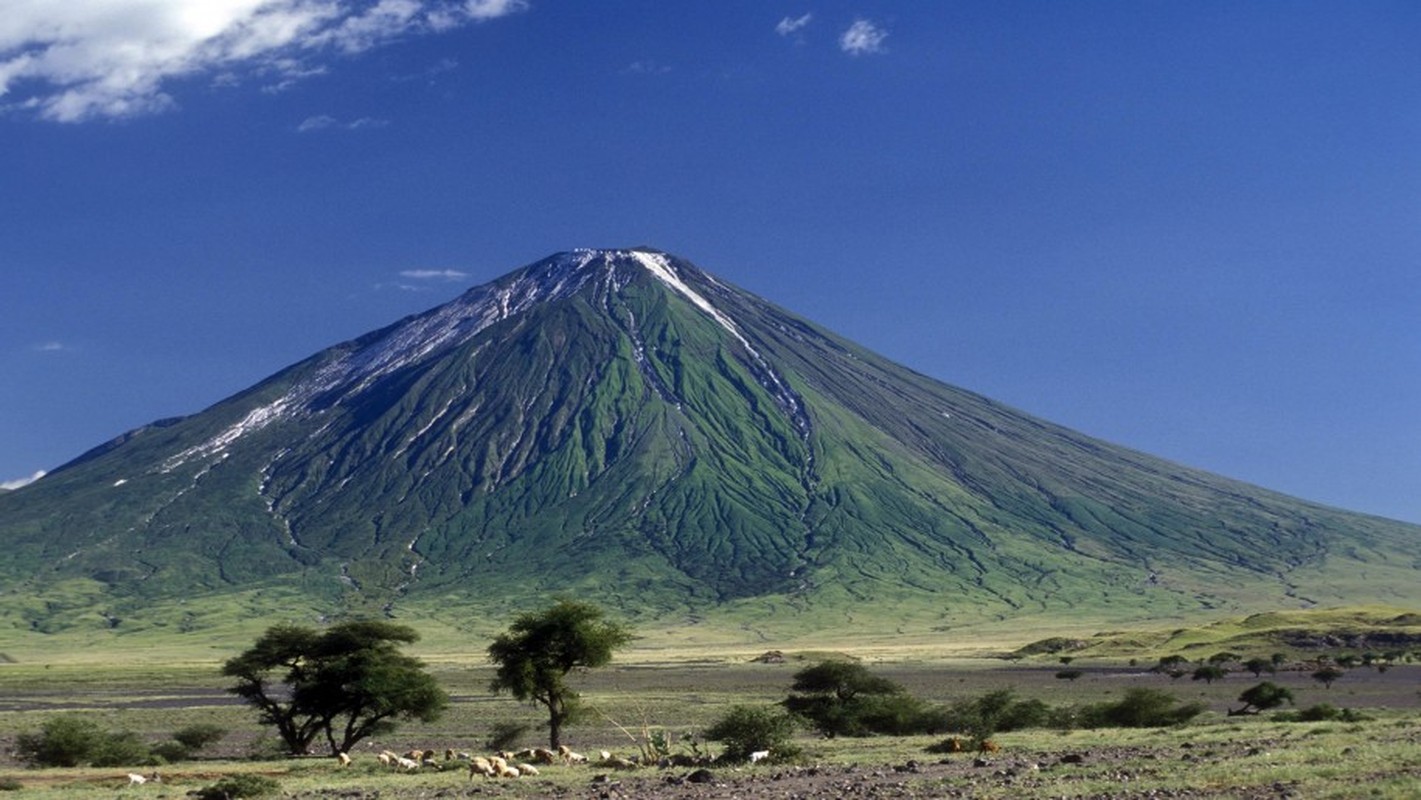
[[1322, 712], [234, 787], [10, 785], [66, 741], [748, 729], [71, 740], [196, 737], [896, 715], [120, 749], [995, 712], [171, 751], [1139, 708]]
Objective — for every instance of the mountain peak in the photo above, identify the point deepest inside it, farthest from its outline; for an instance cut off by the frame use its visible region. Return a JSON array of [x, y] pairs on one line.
[[618, 423]]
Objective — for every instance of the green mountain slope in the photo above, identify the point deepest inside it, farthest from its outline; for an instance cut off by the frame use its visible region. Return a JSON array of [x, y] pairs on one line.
[[621, 426]]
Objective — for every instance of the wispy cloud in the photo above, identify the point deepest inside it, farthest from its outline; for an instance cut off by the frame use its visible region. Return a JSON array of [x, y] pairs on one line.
[[790, 25], [74, 60], [18, 482], [51, 347], [434, 274], [863, 37], [322, 122], [647, 67]]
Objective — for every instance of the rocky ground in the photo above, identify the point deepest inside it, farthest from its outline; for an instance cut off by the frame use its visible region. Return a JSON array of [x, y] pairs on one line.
[[1110, 773]]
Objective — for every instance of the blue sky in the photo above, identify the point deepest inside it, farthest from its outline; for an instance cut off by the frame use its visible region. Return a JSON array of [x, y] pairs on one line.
[[1190, 228]]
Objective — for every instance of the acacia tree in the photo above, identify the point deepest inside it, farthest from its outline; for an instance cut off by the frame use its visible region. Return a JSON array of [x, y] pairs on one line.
[[1327, 675], [1209, 673], [843, 698], [1262, 697], [542, 647], [346, 683]]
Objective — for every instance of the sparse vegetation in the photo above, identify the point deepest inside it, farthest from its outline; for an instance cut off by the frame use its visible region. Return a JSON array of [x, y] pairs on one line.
[[1020, 708]]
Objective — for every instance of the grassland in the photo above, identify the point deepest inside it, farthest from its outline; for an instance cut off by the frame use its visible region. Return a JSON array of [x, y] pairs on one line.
[[645, 691]]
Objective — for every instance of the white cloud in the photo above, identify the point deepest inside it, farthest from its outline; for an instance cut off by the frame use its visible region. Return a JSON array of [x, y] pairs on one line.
[[316, 123], [434, 274], [73, 60], [863, 37], [51, 347], [18, 482], [325, 121], [791, 25]]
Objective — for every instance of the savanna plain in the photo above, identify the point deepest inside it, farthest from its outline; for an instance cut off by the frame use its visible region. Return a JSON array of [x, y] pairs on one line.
[[1370, 747]]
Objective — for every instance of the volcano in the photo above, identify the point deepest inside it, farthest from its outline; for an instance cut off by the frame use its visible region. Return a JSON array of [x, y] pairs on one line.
[[618, 425]]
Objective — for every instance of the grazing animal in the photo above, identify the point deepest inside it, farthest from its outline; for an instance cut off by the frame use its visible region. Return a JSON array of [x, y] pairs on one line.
[[988, 746], [407, 764], [543, 756], [343, 758], [758, 756], [569, 757], [134, 779], [478, 765], [616, 762], [526, 769], [386, 759]]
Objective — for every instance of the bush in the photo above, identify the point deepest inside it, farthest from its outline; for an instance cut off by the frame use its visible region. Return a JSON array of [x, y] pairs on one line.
[[234, 787], [1322, 712], [996, 712], [172, 751], [747, 729], [10, 785], [1139, 708], [895, 715], [72, 740], [196, 737]]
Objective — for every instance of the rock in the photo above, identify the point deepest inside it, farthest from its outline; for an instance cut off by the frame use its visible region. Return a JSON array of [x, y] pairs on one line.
[[701, 776]]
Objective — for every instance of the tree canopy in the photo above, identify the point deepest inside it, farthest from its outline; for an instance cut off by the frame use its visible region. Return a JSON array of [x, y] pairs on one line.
[[539, 650], [1262, 697], [346, 683], [842, 698]]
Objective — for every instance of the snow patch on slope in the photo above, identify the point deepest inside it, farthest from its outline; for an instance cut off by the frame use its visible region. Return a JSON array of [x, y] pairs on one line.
[[357, 366], [407, 343]]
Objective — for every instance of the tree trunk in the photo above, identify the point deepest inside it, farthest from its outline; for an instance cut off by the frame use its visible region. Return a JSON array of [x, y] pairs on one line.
[[556, 716]]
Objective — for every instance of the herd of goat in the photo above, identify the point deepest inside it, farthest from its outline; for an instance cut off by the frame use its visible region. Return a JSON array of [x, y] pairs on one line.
[[502, 765]]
